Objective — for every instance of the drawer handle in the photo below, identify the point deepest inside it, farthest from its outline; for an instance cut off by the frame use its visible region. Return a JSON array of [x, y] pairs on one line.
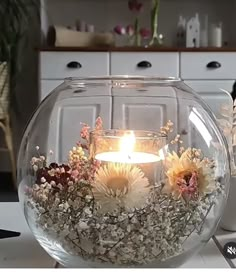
[[213, 65], [79, 91], [74, 65], [144, 64]]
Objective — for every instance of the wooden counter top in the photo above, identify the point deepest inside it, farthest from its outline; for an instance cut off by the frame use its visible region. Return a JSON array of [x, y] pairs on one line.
[[139, 49]]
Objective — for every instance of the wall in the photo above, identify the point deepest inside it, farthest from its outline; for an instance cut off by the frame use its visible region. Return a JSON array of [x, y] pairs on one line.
[[105, 14]]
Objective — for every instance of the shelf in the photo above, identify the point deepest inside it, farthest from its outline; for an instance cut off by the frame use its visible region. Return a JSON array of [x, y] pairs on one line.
[[139, 49]]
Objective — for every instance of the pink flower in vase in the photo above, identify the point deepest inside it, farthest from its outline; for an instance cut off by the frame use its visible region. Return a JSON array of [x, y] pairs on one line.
[[145, 33], [130, 30], [119, 30], [135, 5]]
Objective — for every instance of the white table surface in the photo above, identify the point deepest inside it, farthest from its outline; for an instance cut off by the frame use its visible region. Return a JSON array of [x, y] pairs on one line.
[[25, 252]]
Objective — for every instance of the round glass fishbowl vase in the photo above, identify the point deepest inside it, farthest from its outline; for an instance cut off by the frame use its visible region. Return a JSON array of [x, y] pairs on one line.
[[123, 172]]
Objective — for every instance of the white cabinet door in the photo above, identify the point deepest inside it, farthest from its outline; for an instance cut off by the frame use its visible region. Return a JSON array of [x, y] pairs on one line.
[[66, 120], [193, 120], [143, 113], [215, 93]]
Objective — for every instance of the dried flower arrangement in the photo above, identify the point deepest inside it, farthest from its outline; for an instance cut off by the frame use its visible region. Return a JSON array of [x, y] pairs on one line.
[[134, 32], [130, 222]]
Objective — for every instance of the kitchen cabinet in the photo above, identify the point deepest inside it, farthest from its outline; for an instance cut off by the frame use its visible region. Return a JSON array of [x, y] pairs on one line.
[[127, 109], [211, 75], [83, 106]]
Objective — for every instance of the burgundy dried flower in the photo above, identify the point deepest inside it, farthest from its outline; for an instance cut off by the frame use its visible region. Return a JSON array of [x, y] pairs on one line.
[[135, 5], [80, 167], [57, 173]]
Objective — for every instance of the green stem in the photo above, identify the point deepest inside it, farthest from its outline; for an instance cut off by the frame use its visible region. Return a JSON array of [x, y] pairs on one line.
[[137, 38], [154, 21]]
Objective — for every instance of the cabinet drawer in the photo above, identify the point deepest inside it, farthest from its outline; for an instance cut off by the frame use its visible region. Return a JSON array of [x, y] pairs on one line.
[[59, 65], [208, 65], [145, 63]]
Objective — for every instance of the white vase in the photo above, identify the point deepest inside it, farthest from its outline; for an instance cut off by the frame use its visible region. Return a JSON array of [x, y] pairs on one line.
[[228, 221]]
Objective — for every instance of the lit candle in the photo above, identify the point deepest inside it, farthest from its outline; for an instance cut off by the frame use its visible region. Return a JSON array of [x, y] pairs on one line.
[[127, 153]]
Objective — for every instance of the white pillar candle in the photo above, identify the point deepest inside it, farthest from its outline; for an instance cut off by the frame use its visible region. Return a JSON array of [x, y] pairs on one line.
[[127, 153], [131, 158], [216, 35]]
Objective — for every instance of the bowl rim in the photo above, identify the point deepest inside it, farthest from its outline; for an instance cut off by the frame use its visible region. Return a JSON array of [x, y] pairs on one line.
[[126, 78]]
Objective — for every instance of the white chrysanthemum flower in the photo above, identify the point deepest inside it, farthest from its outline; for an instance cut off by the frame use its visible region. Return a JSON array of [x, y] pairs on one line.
[[118, 184]]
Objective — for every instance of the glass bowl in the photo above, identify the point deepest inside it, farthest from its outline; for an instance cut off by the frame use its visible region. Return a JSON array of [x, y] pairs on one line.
[[123, 172]]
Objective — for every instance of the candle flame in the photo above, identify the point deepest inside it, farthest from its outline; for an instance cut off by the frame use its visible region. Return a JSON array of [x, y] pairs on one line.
[[127, 143]]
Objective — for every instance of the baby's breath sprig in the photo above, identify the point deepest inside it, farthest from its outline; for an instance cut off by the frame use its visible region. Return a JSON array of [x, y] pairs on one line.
[[168, 128], [38, 162], [76, 156], [176, 140], [196, 154]]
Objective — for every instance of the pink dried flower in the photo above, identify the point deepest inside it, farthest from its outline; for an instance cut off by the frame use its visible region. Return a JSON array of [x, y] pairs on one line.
[[98, 124], [84, 133], [75, 173], [189, 185], [119, 30]]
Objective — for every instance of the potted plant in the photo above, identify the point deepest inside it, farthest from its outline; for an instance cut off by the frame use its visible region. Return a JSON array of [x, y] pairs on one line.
[[15, 17]]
